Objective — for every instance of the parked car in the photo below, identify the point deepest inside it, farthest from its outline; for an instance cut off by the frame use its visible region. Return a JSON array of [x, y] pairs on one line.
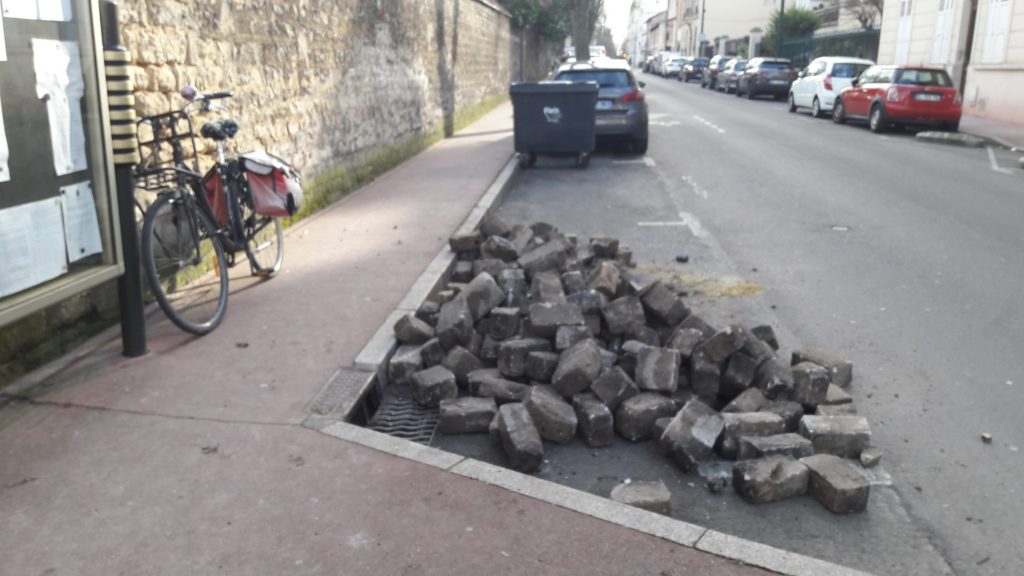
[[693, 68], [728, 75], [649, 63], [673, 67], [662, 61], [717, 62], [818, 84], [771, 76], [900, 95], [621, 108]]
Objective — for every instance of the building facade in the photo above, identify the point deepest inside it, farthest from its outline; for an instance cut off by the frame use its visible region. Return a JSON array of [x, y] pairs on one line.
[[986, 60]]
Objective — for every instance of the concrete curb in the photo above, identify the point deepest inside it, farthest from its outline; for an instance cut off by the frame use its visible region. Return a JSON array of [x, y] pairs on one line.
[[372, 362], [955, 139]]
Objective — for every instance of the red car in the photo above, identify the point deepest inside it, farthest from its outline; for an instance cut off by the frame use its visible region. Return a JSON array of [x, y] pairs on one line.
[[902, 96]]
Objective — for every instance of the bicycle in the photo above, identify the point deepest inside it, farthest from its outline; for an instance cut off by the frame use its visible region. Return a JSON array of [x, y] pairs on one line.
[[197, 225]]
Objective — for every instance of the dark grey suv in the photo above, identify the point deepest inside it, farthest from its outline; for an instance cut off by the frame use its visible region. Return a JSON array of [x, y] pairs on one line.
[[621, 108]]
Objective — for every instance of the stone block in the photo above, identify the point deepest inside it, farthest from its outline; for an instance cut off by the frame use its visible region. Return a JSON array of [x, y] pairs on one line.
[[512, 282], [553, 417], [738, 376], [775, 379], [643, 334], [651, 496], [660, 425], [501, 390], [512, 355], [697, 323], [573, 282], [657, 369], [405, 362], [685, 340], [546, 319], [589, 301], [705, 377], [494, 225], [546, 287], [466, 415], [489, 351], [836, 485], [608, 359], [604, 246], [835, 395], [540, 366], [723, 344], [411, 330], [758, 350], [636, 283], [482, 295], [462, 272], [491, 266], [769, 479], [766, 334], [810, 384], [432, 353], [504, 323], [596, 425], [544, 231], [751, 400], [835, 410], [567, 336], [664, 305], [578, 367], [634, 418], [747, 424], [455, 323], [844, 436], [624, 256], [521, 236], [788, 444], [613, 387], [691, 436], [593, 323], [840, 371], [870, 458], [466, 242], [501, 248], [604, 279], [432, 385], [427, 311], [461, 362], [791, 412], [622, 313], [549, 256]]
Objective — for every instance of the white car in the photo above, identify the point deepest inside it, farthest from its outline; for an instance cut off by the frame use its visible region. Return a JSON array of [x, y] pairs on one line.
[[823, 79], [673, 67]]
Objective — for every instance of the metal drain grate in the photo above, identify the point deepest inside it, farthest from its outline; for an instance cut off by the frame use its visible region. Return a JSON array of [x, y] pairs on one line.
[[401, 417]]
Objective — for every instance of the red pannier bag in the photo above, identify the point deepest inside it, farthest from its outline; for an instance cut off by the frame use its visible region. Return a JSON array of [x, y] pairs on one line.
[[275, 186], [215, 197]]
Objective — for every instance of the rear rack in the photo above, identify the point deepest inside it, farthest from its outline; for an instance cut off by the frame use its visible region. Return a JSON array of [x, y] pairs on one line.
[[161, 139]]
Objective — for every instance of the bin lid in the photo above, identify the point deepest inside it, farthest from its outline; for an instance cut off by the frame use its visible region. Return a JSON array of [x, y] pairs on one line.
[[553, 87]]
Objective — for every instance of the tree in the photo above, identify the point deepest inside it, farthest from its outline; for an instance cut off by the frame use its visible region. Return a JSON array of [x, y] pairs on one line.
[[793, 24], [584, 15], [603, 37], [867, 12], [550, 18]]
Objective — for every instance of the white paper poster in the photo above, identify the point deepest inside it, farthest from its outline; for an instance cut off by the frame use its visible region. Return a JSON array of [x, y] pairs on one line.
[[5, 152], [81, 226], [32, 246], [59, 83], [56, 10], [24, 9]]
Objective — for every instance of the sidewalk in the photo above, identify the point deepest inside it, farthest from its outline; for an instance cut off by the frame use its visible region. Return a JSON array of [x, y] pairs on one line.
[[1010, 134], [193, 459]]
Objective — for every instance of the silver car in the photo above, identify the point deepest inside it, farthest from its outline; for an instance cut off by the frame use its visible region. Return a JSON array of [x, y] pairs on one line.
[[621, 108]]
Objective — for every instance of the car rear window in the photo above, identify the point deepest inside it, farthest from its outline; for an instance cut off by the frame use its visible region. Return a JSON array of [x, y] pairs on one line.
[[700, 61], [923, 78], [776, 65], [678, 61], [843, 70], [604, 78]]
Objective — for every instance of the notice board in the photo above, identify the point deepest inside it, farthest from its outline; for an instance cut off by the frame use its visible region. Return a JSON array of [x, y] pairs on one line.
[[58, 224]]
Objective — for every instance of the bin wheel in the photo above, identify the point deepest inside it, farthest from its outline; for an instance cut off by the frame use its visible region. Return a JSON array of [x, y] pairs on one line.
[[527, 160], [583, 160]]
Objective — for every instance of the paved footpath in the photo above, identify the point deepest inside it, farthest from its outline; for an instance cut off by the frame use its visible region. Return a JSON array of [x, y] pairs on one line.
[[193, 458]]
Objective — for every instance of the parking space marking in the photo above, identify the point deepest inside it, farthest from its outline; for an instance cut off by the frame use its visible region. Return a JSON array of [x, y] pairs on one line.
[[661, 223], [995, 163], [646, 160], [696, 187], [691, 222], [708, 124]]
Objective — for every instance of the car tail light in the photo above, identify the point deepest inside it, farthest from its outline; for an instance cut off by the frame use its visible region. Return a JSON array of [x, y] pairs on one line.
[[892, 94], [634, 96], [828, 82], [958, 100]]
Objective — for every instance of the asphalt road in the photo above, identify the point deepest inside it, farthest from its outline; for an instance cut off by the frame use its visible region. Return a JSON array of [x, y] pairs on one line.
[[905, 257]]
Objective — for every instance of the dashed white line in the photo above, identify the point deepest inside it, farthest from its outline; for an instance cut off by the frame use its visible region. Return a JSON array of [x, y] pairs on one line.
[[693, 224], [661, 223], [696, 187], [994, 163], [708, 124], [646, 160]]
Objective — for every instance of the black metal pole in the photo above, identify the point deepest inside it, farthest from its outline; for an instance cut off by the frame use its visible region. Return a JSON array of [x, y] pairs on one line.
[[781, 29], [703, 10], [129, 285]]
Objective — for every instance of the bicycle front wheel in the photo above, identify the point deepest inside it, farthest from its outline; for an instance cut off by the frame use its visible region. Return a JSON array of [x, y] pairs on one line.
[[185, 265], [264, 244]]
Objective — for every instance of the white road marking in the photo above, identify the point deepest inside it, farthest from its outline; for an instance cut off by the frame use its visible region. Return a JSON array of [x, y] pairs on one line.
[[693, 224], [708, 124], [661, 223], [669, 123], [646, 160], [994, 164], [695, 187]]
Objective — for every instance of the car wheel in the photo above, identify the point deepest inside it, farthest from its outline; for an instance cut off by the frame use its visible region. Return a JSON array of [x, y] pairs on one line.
[[876, 121], [792, 103], [639, 145], [779, 97], [582, 161], [816, 108], [750, 93], [953, 126], [839, 112], [527, 160], [738, 93]]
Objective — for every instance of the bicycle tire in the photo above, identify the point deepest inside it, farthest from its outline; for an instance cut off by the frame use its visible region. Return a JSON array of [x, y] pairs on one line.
[[264, 244], [192, 291]]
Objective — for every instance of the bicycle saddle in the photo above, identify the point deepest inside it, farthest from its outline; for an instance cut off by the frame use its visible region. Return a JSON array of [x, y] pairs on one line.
[[220, 130]]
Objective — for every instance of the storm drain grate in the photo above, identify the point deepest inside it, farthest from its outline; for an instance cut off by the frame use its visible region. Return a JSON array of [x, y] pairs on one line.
[[401, 417]]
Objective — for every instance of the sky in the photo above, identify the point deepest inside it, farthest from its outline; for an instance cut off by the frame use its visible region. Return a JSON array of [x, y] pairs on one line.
[[616, 15]]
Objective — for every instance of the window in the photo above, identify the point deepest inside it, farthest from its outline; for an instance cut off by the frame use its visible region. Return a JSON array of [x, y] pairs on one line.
[[903, 31], [845, 70], [869, 76], [923, 78], [604, 78], [884, 76], [775, 66], [817, 68], [943, 32], [997, 28]]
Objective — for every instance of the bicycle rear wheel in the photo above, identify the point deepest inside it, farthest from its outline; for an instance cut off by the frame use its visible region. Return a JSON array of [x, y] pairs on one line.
[[184, 262], [264, 244]]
